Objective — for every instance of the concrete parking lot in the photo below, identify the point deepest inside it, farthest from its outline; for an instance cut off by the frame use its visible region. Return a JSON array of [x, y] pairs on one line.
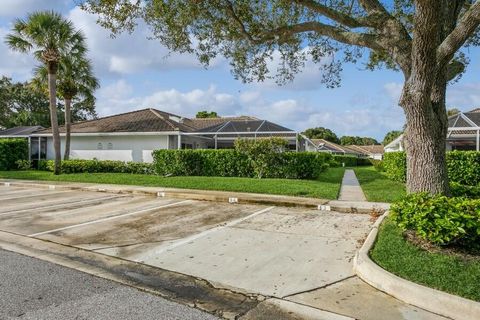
[[293, 254]]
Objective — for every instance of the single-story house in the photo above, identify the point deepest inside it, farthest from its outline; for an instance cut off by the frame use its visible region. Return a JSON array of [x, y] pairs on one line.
[[463, 133], [132, 136], [322, 145], [374, 151], [35, 150]]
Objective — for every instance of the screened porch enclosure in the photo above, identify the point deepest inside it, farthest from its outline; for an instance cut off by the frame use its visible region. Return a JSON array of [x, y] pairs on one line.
[[223, 136]]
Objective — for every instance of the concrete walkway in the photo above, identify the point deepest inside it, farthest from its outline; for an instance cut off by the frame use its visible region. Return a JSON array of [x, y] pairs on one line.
[[351, 190]]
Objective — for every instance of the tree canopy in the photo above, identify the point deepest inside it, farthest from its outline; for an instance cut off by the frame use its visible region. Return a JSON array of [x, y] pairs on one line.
[[21, 104], [359, 141], [206, 114], [321, 133], [452, 112], [390, 136]]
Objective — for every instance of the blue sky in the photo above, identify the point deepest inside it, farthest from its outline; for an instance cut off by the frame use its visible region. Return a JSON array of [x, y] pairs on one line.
[[136, 73]]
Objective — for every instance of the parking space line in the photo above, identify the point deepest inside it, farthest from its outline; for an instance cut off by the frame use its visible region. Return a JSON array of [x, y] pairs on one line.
[[204, 233], [33, 195], [108, 218], [53, 206]]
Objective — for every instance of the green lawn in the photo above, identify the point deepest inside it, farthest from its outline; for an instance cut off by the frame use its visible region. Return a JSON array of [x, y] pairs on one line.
[[377, 187], [440, 271], [327, 186]]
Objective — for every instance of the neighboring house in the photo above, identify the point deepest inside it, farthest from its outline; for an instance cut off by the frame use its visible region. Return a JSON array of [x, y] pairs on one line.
[[374, 151], [132, 136], [395, 145], [20, 132], [37, 150], [321, 145], [463, 133]]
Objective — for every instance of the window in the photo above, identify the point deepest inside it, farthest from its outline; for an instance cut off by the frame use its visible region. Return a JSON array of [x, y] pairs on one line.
[[100, 146], [110, 146]]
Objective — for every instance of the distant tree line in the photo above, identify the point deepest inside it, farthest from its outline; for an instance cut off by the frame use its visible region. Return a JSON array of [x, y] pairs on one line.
[[21, 104], [329, 135]]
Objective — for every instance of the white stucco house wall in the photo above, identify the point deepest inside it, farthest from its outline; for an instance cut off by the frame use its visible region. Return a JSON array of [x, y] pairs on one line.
[[132, 136]]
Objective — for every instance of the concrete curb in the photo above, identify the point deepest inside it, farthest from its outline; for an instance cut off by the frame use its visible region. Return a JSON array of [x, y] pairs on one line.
[[189, 290], [432, 300], [207, 195]]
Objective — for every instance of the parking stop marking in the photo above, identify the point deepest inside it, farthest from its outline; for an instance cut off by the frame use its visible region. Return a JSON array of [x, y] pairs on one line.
[[54, 206], [47, 193], [108, 218], [204, 233]]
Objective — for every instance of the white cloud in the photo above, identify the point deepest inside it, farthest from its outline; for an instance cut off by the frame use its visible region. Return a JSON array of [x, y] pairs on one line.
[[128, 53], [292, 113], [464, 96], [20, 8], [393, 90], [14, 64], [309, 78]]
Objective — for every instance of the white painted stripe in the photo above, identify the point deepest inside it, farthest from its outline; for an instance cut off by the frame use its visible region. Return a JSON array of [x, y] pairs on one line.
[[53, 206], [45, 193], [108, 218], [202, 234]]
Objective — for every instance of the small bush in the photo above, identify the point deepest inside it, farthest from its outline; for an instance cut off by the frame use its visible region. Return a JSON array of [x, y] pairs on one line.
[[98, 166], [464, 167], [349, 161], [262, 153], [23, 164], [395, 165], [377, 164], [439, 219], [12, 150], [459, 190]]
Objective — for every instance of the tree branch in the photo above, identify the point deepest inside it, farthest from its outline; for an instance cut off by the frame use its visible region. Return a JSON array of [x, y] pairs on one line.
[[340, 35], [464, 29], [373, 6], [330, 13]]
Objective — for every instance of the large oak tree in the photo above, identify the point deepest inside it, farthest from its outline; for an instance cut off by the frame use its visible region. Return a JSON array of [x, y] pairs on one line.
[[420, 38]]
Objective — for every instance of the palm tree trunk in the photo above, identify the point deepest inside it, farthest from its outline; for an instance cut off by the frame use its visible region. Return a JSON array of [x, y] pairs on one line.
[[68, 125], [52, 90]]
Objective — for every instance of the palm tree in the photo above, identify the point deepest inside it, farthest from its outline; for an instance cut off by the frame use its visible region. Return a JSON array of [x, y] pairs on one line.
[[50, 37], [75, 79]]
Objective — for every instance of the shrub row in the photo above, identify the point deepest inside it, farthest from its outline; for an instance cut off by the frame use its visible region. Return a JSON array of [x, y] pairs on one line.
[[98, 166], [11, 151], [439, 219], [395, 166], [463, 166], [349, 161], [232, 163]]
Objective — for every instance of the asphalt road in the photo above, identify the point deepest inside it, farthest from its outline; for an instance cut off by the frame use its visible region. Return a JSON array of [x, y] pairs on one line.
[[35, 289]]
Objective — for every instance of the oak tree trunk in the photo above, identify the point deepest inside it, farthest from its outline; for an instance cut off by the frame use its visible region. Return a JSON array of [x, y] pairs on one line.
[[425, 141], [68, 124], [52, 90]]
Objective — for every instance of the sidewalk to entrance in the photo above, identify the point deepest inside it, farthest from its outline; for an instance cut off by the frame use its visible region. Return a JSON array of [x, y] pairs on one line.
[[350, 189]]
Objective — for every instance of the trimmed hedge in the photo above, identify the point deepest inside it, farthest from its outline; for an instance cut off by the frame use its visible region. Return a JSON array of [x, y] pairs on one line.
[[439, 219], [12, 150], [350, 161], [463, 167], [232, 163], [395, 165], [97, 166]]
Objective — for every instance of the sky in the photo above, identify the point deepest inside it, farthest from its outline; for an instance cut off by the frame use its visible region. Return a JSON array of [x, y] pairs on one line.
[[137, 73]]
